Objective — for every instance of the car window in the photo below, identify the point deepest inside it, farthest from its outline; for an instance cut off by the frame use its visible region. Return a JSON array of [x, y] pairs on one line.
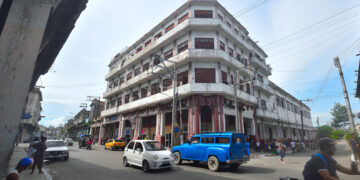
[[153, 146], [236, 140], [195, 140], [131, 145], [139, 146], [222, 140], [207, 140]]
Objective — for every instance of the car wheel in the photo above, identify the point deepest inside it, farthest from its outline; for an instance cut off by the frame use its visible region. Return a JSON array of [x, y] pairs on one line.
[[177, 158], [213, 163], [125, 162], [145, 166], [234, 166]]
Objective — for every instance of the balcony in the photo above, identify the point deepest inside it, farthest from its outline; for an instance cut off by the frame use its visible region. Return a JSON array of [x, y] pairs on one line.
[[261, 64], [191, 23], [266, 114], [184, 90], [262, 87]]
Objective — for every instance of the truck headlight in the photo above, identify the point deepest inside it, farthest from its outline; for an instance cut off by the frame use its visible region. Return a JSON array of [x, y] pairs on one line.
[[156, 157]]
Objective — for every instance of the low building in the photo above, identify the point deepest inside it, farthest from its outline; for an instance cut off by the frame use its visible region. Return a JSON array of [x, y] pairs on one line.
[[97, 130], [81, 125]]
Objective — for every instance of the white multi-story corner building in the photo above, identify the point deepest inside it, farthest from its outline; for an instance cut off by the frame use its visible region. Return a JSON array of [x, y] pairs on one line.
[[209, 46]]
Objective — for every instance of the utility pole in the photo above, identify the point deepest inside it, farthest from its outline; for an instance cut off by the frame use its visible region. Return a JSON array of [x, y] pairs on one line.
[[317, 120], [173, 76], [348, 107]]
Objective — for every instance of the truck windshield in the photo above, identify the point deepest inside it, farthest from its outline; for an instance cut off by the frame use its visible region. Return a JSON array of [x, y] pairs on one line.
[[222, 140], [54, 143], [153, 146]]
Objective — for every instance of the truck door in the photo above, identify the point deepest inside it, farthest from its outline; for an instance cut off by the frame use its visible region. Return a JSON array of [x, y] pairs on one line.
[[193, 153], [238, 146]]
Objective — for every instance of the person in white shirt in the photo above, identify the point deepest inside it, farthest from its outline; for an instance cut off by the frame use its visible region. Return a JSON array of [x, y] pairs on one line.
[[303, 146], [258, 146], [32, 150], [13, 173], [293, 146]]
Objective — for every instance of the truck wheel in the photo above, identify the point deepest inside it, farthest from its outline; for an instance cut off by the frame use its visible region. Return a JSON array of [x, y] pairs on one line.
[[177, 158], [213, 163], [234, 166]]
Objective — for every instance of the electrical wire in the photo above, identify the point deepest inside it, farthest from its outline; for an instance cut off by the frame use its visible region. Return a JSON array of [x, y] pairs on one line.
[[249, 8]]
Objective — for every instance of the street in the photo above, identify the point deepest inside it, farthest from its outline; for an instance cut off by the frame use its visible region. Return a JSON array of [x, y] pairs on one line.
[[104, 164]]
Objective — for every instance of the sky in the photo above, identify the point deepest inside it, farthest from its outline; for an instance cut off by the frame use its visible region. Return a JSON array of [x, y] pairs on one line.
[[302, 63]]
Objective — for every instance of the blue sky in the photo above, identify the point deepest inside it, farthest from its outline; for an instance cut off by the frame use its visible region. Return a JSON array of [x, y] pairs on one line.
[[300, 64]]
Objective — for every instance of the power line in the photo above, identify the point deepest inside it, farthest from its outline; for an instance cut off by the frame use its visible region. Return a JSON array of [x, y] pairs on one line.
[[312, 25], [249, 8]]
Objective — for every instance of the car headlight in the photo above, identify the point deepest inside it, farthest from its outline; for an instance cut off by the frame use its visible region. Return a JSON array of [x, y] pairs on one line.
[[171, 155], [155, 157]]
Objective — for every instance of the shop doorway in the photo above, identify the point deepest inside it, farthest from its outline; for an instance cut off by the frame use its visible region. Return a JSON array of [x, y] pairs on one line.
[[230, 123], [206, 119]]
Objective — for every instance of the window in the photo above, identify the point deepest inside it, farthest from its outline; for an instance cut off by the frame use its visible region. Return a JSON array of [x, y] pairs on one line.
[[204, 75], [182, 47], [167, 84], [248, 88], [278, 101], [236, 31], [224, 77], [139, 49], [220, 17], [182, 78], [122, 80], [116, 83], [241, 85], [145, 67], [229, 24], [156, 60], [195, 140], [222, 46], [127, 98], [135, 95], [183, 18], [238, 57], [222, 140], [288, 105], [203, 14], [170, 27], [131, 145], [232, 79], [168, 54], [207, 140], [231, 52], [112, 102], [144, 92], [119, 100], [263, 104], [158, 35], [155, 88], [137, 72], [260, 78], [204, 43], [283, 103], [129, 76], [237, 140], [110, 86], [147, 42]]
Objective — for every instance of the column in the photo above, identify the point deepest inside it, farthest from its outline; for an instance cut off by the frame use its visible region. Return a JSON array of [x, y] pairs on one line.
[[222, 122], [101, 133], [137, 128], [279, 130], [196, 114], [190, 41], [190, 74], [190, 116], [263, 129], [159, 136], [216, 116], [121, 127], [241, 118], [255, 124]]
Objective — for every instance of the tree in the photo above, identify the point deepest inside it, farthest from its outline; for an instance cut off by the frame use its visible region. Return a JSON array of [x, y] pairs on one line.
[[325, 131], [340, 117], [337, 134]]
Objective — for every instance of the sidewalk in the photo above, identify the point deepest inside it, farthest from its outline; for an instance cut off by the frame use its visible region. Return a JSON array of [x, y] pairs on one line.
[[17, 155]]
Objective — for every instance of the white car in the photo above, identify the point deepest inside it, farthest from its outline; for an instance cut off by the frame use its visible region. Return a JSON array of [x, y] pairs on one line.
[[68, 141], [147, 154], [56, 149]]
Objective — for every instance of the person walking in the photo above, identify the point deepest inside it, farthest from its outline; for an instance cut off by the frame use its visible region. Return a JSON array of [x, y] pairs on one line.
[[13, 173], [32, 150], [281, 150], [293, 146], [355, 147], [39, 155], [322, 166]]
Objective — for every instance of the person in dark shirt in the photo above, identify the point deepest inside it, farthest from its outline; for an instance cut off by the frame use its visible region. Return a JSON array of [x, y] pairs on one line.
[[322, 166], [39, 155], [355, 146]]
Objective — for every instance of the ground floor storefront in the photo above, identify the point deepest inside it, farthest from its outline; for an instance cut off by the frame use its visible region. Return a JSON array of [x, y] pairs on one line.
[[198, 114]]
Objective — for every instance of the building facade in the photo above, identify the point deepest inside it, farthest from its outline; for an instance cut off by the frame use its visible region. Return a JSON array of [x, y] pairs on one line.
[[213, 55], [80, 125], [97, 129]]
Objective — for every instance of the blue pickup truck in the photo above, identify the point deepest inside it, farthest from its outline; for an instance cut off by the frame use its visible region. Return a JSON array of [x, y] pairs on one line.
[[214, 148]]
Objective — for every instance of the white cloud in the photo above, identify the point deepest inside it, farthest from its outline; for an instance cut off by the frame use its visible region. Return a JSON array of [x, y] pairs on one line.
[[62, 101], [54, 122]]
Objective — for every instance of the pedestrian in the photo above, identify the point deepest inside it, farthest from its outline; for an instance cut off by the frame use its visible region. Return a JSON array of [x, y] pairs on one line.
[[39, 155], [13, 173], [303, 147], [32, 150], [281, 150], [293, 146], [257, 146], [322, 166], [355, 146]]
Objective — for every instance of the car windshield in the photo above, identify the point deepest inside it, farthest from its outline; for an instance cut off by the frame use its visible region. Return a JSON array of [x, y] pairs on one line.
[[68, 139], [54, 143], [153, 146], [118, 140]]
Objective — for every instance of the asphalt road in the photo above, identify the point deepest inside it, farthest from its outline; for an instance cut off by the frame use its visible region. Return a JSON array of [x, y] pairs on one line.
[[104, 164]]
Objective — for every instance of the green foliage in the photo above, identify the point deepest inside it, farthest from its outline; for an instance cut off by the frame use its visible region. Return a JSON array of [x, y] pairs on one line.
[[340, 117], [347, 136], [325, 131]]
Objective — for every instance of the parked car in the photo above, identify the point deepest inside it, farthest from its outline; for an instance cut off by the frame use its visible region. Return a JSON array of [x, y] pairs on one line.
[[215, 149], [28, 140], [56, 149], [68, 141], [147, 154], [115, 144]]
